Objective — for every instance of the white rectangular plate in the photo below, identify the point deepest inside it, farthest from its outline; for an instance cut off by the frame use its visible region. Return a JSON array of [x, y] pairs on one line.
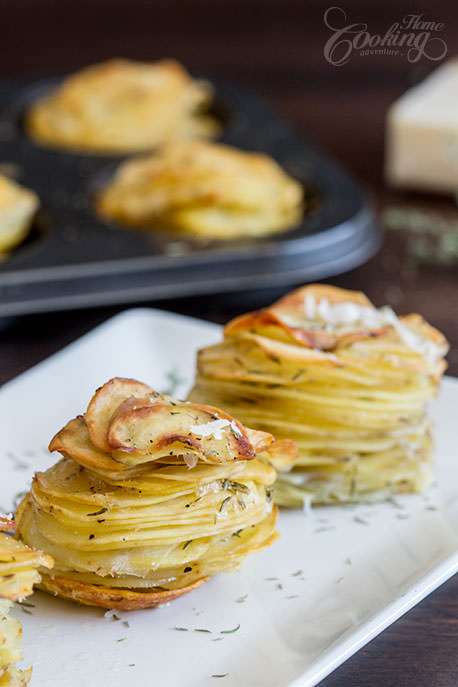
[[336, 578]]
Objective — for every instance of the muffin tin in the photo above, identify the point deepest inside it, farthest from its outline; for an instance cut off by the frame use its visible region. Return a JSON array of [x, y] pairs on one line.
[[73, 259]]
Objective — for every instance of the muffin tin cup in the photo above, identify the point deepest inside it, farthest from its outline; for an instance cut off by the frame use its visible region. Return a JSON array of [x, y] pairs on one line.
[[74, 259]]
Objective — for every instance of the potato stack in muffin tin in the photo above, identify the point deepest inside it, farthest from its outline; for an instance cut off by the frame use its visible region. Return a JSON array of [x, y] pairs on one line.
[[203, 190], [121, 106], [17, 208], [347, 381]]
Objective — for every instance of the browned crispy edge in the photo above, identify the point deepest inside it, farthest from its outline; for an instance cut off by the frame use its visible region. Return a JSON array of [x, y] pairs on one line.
[[322, 340], [110, 597]]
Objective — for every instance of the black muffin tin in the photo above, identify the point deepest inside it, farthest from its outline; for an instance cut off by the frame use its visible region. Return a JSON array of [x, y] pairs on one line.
[[72, 259]]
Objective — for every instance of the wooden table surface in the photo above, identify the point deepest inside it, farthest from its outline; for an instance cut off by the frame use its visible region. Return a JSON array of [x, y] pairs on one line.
[[277, 50]]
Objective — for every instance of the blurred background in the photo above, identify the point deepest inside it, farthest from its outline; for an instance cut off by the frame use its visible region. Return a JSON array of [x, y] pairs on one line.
[[276, 49]]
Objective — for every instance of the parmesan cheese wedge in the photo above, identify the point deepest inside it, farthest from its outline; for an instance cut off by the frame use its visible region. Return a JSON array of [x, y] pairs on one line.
[[422, 134]]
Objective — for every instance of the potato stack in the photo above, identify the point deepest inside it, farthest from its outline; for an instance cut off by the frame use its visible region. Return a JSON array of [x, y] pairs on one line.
[[203, 190], [151, 497], [17, 208], [18, 574], [348, 382], [122, 106]]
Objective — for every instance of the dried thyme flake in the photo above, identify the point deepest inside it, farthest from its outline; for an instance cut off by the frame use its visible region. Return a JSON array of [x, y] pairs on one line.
[[186, 544], [97, 512], [224, 503], [191, 503], [174, 380], [360, 521], [217, 639], [220, 675], [279, 585], [181, 629], [113, 616], [297, 573], [126, 623], [202, 629], [122, 639], [324, 529], [232, 485], [292, 596], [17, 462], [25, 603], [241, 599], [26, 610], [229, 632], [271, 579], [395, 503]]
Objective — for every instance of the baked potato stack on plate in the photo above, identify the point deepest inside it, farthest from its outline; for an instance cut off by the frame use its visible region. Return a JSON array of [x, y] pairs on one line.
[[348, 382], [121, 106], [152, 496], [203, 190], [18, 575]]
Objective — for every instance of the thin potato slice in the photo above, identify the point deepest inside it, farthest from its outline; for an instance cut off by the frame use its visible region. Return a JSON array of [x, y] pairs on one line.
[[105, 402]]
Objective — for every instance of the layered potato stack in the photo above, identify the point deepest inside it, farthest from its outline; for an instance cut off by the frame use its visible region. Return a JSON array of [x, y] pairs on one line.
[[151, 497], [205, 190], [348, 382], [17, 208], [18, 575], [122, 106]]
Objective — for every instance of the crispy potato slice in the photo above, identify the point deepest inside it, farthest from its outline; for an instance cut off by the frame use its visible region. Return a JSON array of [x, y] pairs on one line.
[[73, 441], [105, 402], [286, 320], [118, 598], [145, 428]]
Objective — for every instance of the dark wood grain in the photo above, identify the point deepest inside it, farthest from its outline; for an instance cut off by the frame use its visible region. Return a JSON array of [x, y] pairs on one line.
[[275, 48]]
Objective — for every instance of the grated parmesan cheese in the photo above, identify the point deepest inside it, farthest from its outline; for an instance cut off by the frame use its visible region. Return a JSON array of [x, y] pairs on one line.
[[215, 429], [372, 318]]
